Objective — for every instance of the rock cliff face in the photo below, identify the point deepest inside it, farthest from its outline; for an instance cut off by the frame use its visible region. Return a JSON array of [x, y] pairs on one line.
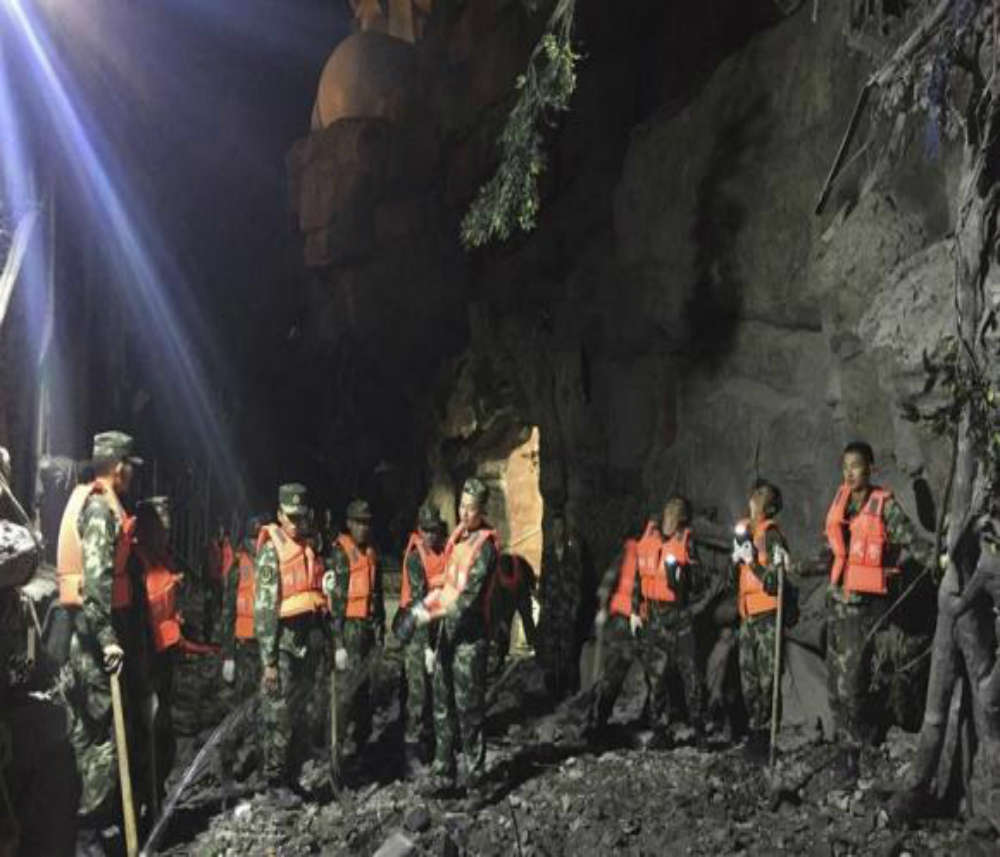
[[680, 320]]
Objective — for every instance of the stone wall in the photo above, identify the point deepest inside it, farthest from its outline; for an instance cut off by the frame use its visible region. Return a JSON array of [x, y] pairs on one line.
[[680, 320]]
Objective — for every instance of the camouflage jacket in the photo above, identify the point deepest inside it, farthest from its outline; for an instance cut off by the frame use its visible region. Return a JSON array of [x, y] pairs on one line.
[[561, 589], [414, 571], [268, 627], [99, 531], [340, 565]]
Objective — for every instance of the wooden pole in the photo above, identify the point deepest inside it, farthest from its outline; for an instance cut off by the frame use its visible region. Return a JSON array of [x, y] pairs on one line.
[[776, 687], [121, 739]]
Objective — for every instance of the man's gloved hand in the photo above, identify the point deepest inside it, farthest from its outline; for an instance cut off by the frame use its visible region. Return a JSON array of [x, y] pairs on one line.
[[228, 671], [113, 657], [781, 558], [270, 680], [340, 659], [329, 584], [429, 658], [742, 553], [420, 615], [600, 620], [635, 624]]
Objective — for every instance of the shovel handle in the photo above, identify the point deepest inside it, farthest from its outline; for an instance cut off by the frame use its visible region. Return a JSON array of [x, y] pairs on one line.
[[121, 739]]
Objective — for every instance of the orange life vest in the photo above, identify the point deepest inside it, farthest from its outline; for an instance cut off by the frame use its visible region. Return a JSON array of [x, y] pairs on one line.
[[653, 580], [361, 583], [245, 592], [860, 567], [301, 573], [433, 565], [459, 556], [161, 598], [752, 599], [621, 598], [69, 561]]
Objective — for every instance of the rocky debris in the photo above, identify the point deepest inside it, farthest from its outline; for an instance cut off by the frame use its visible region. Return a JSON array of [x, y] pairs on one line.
[[623, 801]]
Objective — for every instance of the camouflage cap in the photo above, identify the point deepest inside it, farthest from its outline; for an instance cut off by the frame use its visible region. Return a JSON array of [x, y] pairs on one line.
[[429, 518], [115, 446], [359, 510], [293, 498], [476, 489]]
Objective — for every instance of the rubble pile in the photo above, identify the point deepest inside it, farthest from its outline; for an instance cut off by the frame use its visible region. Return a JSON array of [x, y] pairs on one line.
[[621, 801]]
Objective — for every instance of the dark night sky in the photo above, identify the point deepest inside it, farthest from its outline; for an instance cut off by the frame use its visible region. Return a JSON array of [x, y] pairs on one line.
[[198, 102]]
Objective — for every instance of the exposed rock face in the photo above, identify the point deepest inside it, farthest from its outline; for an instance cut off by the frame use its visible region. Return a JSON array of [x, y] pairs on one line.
[[680, 320]]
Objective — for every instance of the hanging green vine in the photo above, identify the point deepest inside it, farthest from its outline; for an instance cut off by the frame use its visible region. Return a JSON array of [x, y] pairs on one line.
[[510, 198]]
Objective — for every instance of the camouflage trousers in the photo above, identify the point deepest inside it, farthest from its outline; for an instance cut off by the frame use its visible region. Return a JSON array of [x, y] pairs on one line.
[[419, 696], [91, 731], [618, 651], [870, 683], [459, 699], [354, 710], [283, 715], [559, 653], [757, 667], [668, 654], [246, 683]]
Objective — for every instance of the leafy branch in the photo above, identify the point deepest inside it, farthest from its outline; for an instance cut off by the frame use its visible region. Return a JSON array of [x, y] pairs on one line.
[[510, 198]]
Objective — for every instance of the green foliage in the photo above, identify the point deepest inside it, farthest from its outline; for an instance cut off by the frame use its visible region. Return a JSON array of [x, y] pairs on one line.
[[960, 383], [510, 198]]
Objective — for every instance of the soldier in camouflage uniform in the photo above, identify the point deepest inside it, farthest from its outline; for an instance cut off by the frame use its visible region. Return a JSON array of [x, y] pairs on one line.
[[357, 611], [561, 595], [616, 625], [289, 608], [872, 541], [758, 557], [513, 590], [240, 653], [94, 543], [423, 570], [463, 648], [667, 644]]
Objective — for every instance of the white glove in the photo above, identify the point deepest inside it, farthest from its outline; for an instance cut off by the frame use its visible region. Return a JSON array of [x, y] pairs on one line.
[[743, 553], [420, 615], [228, 671], [329, 584], [149, 710], [635, 623], [601, 619], [113, 657], [429, 657], [781, 558], [340, 659]]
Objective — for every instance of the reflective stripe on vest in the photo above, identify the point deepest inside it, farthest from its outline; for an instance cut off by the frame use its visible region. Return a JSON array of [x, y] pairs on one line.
[[431, 562], [752, 599], [860, 567], [301, 573], [621, 599], [460, 555], [245, 592], [361, 583], [161, 598], [69, 562], [653, 583]]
